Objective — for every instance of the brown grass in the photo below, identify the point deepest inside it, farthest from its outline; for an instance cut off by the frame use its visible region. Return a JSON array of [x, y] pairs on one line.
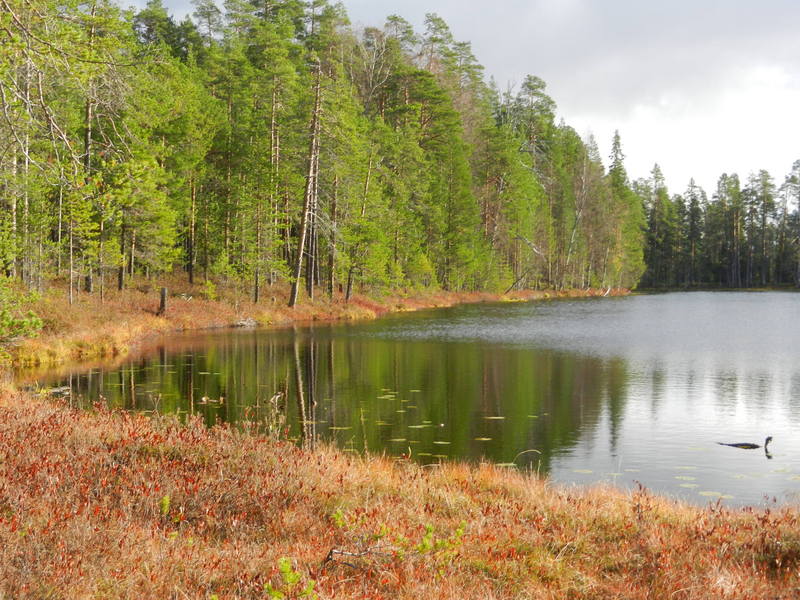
[[100, 328], [110, 505]]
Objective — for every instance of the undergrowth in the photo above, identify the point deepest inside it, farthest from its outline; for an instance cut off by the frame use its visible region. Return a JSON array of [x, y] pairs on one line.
[[101, 504]]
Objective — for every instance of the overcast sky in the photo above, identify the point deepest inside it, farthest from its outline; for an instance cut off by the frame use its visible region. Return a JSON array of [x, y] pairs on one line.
[[701, 87]]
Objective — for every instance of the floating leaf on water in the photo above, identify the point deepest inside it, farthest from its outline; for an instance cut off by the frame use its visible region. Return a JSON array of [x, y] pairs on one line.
[[483, 439], [709, 494], [414, 442], [424, 454], [418, 426], [441, 443], [506, 465], [584, 471], [401, 411], [428, 422], [414, 391], [794, 478], [338, 428], [494, 418], [689, 485], [781, 470], [533, 416], [440, 456], [613, 474], [632, 470], [386, 397], [741, 476], [686, 478], [204, 372], [685, 468], [411, 406], [398, 440]]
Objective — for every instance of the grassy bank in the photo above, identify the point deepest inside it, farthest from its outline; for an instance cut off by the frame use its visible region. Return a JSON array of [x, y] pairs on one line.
[[112, 505], [94, 327]]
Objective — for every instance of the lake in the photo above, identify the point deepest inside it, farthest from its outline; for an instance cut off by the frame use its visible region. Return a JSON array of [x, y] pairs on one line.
[[623, 390]]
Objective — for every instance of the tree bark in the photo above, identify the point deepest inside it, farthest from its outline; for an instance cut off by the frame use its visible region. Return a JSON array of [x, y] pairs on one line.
[[310, 199]]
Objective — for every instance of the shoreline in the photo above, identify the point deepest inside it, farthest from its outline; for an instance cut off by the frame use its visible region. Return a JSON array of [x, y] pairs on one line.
[[110, 504], [105, 503], [114, 326]]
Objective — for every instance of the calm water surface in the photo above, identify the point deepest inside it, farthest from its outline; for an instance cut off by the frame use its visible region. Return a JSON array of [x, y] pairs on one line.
[[620, 390]]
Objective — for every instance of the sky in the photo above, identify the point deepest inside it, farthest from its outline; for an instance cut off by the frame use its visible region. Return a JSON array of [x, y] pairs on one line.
[[701, 87]]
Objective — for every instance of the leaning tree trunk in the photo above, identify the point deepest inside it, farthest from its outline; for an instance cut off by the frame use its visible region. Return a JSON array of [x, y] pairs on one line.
[[310, 197]]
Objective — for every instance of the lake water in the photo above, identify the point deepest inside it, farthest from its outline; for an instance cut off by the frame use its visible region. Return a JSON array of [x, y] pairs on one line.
[[622, 390]]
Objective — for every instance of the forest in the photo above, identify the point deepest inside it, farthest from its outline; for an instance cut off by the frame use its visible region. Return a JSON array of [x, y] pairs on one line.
[[272, 142]]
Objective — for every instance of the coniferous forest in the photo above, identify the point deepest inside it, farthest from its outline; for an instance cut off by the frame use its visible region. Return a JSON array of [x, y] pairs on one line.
[[273, 142]]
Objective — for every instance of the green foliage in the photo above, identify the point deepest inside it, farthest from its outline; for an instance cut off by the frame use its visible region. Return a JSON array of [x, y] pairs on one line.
[[160, 145], [15, 322], [209, 290], [164, 505], [292, 585]]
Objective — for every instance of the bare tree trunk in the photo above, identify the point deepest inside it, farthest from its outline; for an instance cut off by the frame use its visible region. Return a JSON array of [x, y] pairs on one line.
[[310, 200], [121, 270], [332, 255], [355, 251], [191, 250], [274, 171]]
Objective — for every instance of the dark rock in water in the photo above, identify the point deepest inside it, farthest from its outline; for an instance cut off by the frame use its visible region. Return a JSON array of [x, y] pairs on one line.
[[248, 323]]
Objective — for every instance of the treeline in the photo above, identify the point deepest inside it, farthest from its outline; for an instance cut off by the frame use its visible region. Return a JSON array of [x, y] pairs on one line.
[[272, 142], [746, 235]]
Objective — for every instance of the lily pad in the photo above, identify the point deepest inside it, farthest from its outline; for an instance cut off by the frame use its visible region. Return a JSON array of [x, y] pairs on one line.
[[710, 494], [583, 471], [482, 439], [686, 478], [441, 443]]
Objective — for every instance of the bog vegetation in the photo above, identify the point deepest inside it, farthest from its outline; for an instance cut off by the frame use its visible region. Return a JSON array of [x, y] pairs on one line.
[[114, 505]]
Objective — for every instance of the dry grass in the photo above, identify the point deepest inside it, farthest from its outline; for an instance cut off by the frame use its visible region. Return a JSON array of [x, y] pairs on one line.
[[111, 505], [100, 328]]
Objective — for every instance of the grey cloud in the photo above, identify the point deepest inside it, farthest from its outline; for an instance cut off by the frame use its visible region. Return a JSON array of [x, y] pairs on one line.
[[614, 55]]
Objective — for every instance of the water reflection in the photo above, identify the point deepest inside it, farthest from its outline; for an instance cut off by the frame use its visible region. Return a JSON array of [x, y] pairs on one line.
[[582, 391]]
